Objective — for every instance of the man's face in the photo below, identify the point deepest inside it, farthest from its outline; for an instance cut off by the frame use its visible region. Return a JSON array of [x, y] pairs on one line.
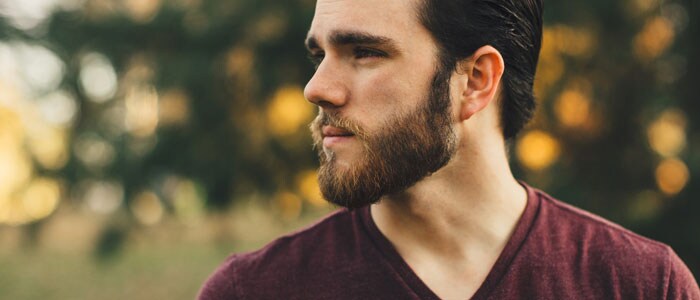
[[384, 121]]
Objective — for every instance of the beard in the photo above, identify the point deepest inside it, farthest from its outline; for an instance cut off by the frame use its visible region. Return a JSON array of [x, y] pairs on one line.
[[405, 149]]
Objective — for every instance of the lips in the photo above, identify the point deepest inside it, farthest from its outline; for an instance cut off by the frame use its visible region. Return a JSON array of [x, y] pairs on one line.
[[335, 137], [330, 131]]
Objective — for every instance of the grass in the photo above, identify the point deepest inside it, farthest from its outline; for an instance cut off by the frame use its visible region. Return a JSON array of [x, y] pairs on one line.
[[172, 272], [156, 263]]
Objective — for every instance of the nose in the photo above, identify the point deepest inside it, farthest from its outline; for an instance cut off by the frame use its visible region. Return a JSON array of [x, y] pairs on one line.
[[327, 88]]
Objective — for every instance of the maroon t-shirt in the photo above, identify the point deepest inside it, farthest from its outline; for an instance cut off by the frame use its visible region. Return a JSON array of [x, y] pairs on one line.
[[556, 252]]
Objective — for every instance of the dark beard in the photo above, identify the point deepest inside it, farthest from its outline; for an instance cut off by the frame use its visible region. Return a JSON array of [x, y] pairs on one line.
[[406, 149]]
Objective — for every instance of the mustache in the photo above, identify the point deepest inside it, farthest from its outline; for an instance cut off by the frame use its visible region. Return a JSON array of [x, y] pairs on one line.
[[333, 119]]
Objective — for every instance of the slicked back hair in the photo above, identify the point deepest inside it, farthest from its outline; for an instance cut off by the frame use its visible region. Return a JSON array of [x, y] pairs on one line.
[[513, 27]]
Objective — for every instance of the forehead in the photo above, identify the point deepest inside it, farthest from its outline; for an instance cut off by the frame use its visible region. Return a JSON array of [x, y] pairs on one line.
[[392, 18]]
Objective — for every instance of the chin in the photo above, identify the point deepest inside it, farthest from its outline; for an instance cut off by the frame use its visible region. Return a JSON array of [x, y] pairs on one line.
[[343, 158]]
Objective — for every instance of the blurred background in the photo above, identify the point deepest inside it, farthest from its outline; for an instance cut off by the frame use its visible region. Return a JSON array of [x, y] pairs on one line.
[[142, 141]]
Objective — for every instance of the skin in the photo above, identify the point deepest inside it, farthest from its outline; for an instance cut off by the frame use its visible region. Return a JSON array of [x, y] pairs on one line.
[[451, 226]]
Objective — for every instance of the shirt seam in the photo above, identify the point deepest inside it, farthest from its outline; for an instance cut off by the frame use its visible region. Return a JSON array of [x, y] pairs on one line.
[[668, 270], [234, 279]]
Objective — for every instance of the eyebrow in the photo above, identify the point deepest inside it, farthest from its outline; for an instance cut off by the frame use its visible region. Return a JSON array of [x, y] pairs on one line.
[[342, 38]]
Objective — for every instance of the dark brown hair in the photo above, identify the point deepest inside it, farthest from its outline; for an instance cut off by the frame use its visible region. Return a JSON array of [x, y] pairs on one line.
[[513, 27]]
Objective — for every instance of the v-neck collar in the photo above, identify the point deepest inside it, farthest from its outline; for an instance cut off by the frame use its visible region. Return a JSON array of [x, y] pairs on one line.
[[499, 269]]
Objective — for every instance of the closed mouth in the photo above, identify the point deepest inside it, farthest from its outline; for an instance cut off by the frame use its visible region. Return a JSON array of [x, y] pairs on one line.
[[331, 131]]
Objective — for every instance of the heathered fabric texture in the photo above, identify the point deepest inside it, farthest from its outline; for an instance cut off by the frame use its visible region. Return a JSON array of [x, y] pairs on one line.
[[556, 252]]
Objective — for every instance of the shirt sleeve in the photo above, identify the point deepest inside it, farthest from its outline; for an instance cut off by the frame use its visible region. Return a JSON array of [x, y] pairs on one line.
[[221, 284], [681, 283]]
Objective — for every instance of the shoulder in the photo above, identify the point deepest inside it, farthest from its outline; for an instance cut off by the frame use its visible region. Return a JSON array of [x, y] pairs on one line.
[[603, 254], [292, 249], [575, 226], [285, 261]]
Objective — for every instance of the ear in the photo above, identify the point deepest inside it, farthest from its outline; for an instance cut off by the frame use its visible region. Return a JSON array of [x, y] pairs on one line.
[[484, 70]]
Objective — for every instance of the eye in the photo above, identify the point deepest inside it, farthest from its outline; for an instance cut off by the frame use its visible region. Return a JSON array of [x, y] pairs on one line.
[[361, 52], [316, 58]]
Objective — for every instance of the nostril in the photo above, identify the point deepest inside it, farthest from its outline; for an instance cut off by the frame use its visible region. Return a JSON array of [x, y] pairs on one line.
[[325, 104]]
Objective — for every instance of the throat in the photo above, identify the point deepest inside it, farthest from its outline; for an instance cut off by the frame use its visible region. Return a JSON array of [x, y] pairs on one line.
[[450, 242]]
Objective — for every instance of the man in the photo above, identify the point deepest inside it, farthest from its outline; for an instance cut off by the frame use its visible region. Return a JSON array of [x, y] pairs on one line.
[[417, 99]]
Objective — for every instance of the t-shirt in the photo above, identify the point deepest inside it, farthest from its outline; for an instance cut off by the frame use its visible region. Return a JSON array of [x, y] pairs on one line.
[[555, 252]]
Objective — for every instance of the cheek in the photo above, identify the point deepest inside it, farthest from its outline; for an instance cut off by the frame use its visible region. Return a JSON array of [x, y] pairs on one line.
[[389, 93]]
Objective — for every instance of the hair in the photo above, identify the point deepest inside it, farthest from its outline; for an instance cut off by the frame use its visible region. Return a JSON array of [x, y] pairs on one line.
[[513, 27]]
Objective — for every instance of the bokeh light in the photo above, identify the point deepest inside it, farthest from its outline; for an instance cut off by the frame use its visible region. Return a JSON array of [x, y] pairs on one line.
[[30, 15], [49, 147], [142, 11], [572, 41], [239, 61], [640, 7], [174, 108], [17, 167], [308, 186], [40, 198], [289, 205], [33, 201], [58, 108], [94, 151], [558, 43], [654, 39], [98, 79], [288, 111], [573, 108], [270, 26], [671, 176], [41, 69], [100, 196], [141, 118], [666, 134], [147, 208], [537, 150], [187, 199]]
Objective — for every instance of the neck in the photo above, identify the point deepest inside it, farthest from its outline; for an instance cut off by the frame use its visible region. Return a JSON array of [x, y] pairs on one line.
[[463, 213]]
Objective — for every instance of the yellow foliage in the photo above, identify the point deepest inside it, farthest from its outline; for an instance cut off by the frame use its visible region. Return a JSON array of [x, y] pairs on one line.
[[308, 186], [572, 108], [557, 41], [666, 134], [15, 166], [537, 150], [41, 198], [654, 39], [142, 111], [288, 111], [49, 146], [187, 201], [142, 11], [33, 201], [147, 208], [574, 41], [289, 205], [239, 61], [671, 176], [174, 108]]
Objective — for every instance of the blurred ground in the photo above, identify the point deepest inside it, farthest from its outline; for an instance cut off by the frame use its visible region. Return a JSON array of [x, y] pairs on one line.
[[169, 261]]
